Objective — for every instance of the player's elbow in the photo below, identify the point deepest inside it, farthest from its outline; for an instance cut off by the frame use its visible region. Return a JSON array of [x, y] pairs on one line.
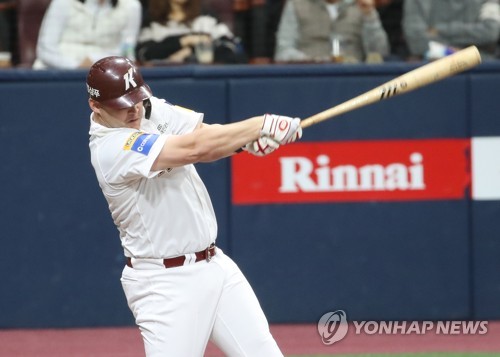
[[209, 144], [204, 151]]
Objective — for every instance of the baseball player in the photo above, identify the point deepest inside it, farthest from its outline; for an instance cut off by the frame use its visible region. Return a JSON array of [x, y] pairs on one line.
[[181, 288]]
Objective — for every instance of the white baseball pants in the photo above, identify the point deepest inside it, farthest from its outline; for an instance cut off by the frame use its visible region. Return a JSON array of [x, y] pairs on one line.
[[179, 309]]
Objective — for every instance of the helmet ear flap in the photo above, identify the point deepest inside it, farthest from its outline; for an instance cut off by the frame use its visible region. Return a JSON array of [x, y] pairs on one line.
[[147, 108]]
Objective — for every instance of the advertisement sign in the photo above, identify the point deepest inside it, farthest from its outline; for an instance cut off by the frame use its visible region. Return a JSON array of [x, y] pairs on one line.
[[390, 170]]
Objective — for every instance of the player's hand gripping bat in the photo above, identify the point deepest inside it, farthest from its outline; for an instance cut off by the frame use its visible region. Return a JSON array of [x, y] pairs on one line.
[[429, 73]]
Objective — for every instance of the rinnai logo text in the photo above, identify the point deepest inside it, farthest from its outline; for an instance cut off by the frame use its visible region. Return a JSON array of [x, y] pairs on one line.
[[302, 174], [354, 171]]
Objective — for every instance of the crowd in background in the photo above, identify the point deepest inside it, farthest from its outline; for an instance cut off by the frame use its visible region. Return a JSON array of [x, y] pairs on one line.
[[75, 33]]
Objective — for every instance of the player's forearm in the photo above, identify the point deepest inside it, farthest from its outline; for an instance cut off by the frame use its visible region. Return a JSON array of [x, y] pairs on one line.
[[208, 143], [220, 141]]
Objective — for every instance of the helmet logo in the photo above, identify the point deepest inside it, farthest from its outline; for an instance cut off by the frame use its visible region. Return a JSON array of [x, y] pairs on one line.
[[92, 91], [129, 79]]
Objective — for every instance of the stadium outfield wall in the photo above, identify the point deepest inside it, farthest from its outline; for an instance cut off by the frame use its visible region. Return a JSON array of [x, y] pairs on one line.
[[389, 212]]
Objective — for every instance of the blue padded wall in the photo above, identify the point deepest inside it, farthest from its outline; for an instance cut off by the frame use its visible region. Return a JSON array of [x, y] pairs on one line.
[[61, 257]]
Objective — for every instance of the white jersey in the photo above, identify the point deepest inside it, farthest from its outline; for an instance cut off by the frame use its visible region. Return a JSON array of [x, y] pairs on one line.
[[150, 208]]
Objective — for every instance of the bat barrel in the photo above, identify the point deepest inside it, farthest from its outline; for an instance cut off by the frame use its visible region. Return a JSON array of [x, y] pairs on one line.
[[429, 73]]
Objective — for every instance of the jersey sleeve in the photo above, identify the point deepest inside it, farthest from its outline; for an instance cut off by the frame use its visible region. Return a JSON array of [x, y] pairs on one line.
[[129, 155], [172, 119]]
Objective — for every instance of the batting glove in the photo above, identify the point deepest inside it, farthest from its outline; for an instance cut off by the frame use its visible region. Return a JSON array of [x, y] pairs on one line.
[[261, 147], [281, 129]]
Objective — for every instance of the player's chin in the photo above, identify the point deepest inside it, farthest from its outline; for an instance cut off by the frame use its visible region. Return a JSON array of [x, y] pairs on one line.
[[134, 123]]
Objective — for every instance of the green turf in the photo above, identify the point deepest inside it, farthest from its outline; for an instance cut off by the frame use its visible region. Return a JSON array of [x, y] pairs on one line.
[[441, 354]]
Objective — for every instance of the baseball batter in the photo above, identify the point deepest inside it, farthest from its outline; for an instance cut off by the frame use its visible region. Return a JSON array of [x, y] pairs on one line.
[[181, 288]]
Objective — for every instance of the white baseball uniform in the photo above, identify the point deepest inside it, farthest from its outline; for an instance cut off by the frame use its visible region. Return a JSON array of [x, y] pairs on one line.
[[168, 214]]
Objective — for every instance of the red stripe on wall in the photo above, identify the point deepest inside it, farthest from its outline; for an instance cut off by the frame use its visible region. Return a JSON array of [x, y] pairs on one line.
[[391, 170]]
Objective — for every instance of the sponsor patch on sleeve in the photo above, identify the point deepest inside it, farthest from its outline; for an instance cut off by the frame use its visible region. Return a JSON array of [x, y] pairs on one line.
[[140, 142], [184, 109]]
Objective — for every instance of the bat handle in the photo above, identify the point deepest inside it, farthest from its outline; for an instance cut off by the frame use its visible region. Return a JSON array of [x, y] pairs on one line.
[[316, 118], [307, 122]]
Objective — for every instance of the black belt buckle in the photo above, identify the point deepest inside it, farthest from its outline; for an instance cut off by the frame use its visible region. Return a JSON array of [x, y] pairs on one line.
[[208, 254]]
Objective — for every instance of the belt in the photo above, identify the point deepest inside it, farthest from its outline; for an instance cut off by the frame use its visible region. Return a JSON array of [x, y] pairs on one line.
[[181, 260]]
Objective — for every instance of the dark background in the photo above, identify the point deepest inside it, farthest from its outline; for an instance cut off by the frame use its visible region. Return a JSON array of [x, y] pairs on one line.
[[61, 259]]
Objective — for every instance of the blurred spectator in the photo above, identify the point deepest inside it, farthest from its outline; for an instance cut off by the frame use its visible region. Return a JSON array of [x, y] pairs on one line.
[[308, 27], [222, 10], [178, 28], [256, 23], [391, 16], [7, 29], [145, 13], [435, 28], [274, 11], [76, 33], [4, 32]]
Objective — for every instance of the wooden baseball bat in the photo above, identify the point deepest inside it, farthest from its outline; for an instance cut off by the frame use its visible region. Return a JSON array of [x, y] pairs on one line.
[[429, 73]]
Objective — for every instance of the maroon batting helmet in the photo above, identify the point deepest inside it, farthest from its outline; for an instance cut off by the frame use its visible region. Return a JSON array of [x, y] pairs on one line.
[[116, 82]]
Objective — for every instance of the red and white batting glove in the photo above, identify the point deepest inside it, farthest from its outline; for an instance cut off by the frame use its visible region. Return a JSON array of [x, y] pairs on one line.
[[261, 147], [281, 129]]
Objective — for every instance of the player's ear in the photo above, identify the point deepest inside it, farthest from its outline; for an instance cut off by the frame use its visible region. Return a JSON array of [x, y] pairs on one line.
[[94, 105]]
